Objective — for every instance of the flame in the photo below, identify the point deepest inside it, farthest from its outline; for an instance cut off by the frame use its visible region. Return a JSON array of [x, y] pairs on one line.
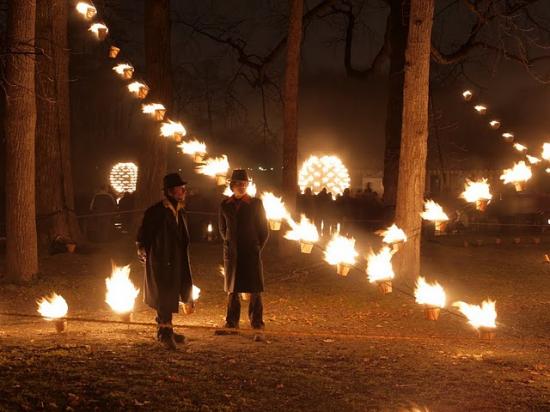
[[251, 190], [86, 9], [495, 124], [209, 228], [96, 27], [196, 293], [152, 108], [274, 207], [120, 68], [519, 147], [479, 316], [216, 166], [304, 231], [467, 95], [170, 129], [228, 192], [533, 160], [326, 171], [480, 108], [474, 191], [547, 170], [340, 249], [546, 151], [429, 294], [121, 292], [520, 172], [221, 269], [508, 135], [123, 177], [379, 265], [138, 89], [53, 306], [193, 147], [433, 212], [393, 235]]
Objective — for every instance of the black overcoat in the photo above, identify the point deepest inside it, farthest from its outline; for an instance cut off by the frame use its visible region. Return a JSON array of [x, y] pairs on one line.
[[165, 237], [244, 230]]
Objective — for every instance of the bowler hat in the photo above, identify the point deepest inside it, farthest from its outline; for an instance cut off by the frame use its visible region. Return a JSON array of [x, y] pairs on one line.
[[173, 180], [239, 175]]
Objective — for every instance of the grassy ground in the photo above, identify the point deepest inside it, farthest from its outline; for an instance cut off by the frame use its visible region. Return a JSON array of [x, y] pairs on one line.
[[333, 343]]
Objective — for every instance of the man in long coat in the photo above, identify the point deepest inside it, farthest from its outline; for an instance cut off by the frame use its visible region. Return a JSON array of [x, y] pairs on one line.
[[163, 245], [244, 230]]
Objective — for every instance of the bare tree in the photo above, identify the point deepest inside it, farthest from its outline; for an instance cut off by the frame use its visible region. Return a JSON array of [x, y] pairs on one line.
[[414, 134], [55, 193], [21, 240], [153, 163], [290, 101]]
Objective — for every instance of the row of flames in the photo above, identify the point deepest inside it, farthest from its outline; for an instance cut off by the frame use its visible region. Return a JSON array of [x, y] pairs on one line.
[[521, 171]]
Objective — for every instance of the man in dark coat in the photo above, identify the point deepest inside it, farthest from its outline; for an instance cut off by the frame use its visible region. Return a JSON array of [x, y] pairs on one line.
[[244, 229], [163, 245]]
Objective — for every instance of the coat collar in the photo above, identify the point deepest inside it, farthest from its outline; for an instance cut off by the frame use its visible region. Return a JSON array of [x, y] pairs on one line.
[[246, 198], [175, 211]]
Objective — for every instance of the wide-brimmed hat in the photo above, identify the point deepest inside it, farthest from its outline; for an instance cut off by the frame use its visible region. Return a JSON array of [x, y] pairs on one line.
[[240, 175], [173, 180]]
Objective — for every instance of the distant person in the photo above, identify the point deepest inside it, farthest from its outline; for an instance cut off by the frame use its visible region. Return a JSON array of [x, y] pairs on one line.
[[308, 200], [104, 205], [244, 230], [163, 245], [126, 205]]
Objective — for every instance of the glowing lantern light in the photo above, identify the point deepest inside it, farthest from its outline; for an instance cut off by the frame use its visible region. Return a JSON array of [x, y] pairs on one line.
[[380, 269], [121, 292], [467, 95], [194, 148], [100, 30], [251, 190], [215, 167], [519, 174], [324, 172], [483, 317], [546, 151], [519, 147], [494, 124], [175, 130], [393, 236], [275, 210], [156, 110], [86, 9], [532, 159], [431, 295], [54, 307], [341, 252], [189, 308], [138, 89], [434, 213], [305, 232], [480, 108], [123, 177], [125, 70], [508, 137], [477, 192], [113, 52]]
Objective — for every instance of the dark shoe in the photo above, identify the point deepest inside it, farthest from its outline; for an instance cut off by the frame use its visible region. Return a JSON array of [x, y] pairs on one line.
[[179, 338], [166, 337], [259, 337]]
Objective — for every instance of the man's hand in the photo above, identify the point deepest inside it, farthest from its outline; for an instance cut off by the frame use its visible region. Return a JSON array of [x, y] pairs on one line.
[[142, 254]]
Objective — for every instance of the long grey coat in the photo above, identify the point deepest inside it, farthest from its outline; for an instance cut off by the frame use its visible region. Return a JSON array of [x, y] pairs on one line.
[[244, 231], [165, 237]]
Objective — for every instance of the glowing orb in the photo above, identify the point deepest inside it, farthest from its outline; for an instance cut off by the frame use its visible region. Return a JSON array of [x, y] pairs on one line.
[[123, 177], [326, 171]]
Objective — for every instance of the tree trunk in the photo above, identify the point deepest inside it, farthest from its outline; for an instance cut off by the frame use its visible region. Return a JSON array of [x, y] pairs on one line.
[[152, 164], [414, 136], [290, 102], [21, 245], [54, 196], [399, 14]]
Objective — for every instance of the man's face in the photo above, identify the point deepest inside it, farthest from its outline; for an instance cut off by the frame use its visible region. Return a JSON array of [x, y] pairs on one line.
[[177, 192], [239, 188]]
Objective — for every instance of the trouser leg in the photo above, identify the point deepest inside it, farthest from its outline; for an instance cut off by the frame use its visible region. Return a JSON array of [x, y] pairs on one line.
[[256, 311], [164, 323], [233, 310]]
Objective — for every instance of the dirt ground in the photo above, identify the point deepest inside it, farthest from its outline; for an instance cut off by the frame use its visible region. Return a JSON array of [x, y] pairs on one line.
[[333, 343]]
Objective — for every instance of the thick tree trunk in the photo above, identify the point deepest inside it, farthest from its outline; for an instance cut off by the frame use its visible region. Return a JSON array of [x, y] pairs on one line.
[[152, 164], [290, 102], [21, 244], [55, 195], [414, 136], [399, 27]]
